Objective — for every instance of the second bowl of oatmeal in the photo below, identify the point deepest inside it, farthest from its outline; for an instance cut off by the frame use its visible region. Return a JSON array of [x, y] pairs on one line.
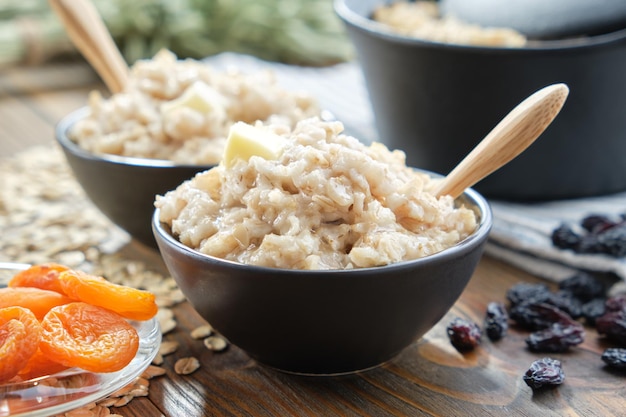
[[169, 123], [323, 255], [438, 86]]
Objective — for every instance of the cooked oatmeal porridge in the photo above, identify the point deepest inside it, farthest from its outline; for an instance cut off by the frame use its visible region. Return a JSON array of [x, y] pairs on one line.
[[422, 19], [325, 201], [181, 110]]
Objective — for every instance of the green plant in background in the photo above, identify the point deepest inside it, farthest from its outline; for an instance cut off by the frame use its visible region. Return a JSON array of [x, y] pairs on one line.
[[305, 32]]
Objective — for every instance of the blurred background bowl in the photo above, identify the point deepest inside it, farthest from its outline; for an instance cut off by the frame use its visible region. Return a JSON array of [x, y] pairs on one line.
[[325, 322], [436, 101], [123, 188]]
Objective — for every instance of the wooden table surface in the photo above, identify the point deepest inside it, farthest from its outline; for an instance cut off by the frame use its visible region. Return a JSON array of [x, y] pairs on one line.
[[428, 378]]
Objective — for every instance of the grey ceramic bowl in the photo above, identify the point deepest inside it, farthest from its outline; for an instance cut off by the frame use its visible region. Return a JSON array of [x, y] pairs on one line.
[[325, 322], [437, 101], [124, 189]]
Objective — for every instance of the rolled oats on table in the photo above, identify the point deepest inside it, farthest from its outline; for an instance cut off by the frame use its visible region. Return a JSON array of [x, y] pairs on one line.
[[181, 110], [215, 343], [201, 332], [45, 216], [186, 365]]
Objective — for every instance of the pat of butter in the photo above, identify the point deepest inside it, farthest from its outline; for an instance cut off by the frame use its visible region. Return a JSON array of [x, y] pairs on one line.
[[245, 140], [200, 97]]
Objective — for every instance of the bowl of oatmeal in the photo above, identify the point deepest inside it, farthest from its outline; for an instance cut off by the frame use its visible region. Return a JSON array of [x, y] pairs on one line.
[[169, 123], [438, 85], [315, 253]]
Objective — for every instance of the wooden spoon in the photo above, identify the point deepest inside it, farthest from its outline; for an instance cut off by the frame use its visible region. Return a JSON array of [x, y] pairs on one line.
[[89, 34], [517, 131]]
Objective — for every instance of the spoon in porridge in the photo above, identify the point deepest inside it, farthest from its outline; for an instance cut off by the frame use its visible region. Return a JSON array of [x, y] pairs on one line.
[[516, 132], [87, 31]]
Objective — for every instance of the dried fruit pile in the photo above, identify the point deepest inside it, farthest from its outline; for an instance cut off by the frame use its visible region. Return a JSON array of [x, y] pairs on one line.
[[53, 318], [600, 235], [552, 318]]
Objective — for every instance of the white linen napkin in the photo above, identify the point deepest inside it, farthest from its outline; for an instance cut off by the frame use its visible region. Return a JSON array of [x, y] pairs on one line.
[[521, 233]]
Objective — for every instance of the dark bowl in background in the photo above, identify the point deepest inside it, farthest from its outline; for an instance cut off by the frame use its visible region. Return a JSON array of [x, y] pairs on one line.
[[325, 322], [122, 188], [436, 101]]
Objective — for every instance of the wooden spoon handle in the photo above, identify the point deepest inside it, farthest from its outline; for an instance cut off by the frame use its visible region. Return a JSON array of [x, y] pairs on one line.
[[89, 34], [517, 131]]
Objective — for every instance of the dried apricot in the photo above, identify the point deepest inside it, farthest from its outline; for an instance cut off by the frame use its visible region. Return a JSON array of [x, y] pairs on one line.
[[89, 337], [35, 299], [20, 333], [129, 302], [39, 365], [45, 276]]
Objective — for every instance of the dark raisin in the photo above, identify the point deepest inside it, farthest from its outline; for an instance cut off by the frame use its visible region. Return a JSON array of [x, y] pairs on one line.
[[556, 338], [527, 293], [544, 372], [613, 326], [566, 302], [496, 321], [590, 244], [597, 223], [464, 334], [593, 309], [538, 316], [583, 286], [616, 303], [615, 358], [564, 237], [614, 240]]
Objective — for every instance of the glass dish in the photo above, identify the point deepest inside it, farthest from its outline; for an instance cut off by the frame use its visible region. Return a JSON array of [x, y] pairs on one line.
[[74, 388]]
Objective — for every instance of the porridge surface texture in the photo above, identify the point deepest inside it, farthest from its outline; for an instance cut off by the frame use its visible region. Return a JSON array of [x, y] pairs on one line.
[[327, 202]]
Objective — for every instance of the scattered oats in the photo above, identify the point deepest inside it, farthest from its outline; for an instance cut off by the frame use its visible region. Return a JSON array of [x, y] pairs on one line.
[[172, 298], [151, 279], [72, 259], [167, 325], [123, 391], [164, 302], [185, 366], [46, 215], [153, 371], [100, 411], [215, 343], [122, 401], [171, 282], [92, 255], [164, 314], [165, 317], [140, 391], [107, 402], [158, 359], [168, 346], [142, 381], [202, 331]]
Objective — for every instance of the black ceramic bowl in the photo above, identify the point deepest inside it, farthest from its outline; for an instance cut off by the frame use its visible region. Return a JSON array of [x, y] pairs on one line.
[[325, 322], [437, 101], [123, 188]]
